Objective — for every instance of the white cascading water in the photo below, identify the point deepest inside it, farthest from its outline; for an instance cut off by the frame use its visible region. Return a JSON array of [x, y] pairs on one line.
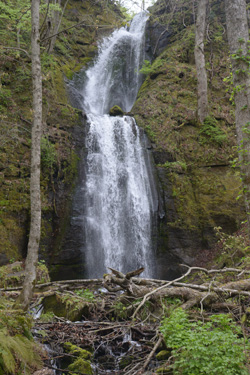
[[120, 197]]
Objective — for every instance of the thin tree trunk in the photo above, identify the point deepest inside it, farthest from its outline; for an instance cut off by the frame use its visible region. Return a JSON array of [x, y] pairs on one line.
[[238, 37], [35, 199], [56, 20], [200, 60]]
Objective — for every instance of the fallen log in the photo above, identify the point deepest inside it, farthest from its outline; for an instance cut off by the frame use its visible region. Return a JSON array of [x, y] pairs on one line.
[[192, 294]]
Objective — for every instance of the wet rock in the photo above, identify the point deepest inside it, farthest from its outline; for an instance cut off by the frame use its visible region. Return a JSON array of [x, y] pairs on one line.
[[107, 361], [163, 354], [125, 361], [116, 111], [44, 371]]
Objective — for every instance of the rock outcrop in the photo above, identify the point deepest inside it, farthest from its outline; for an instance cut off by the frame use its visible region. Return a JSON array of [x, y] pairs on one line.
[[199, 185]]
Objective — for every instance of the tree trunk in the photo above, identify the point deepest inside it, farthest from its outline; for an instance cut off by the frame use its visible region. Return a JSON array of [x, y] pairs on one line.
[[238, 36], [35, 199], [200, 60], [56, 20]]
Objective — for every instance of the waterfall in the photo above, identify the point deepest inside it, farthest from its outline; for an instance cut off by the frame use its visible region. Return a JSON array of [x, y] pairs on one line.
[[119, 193]]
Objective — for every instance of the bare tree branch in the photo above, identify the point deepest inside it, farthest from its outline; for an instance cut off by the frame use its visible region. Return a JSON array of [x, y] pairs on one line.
[[18, 49]]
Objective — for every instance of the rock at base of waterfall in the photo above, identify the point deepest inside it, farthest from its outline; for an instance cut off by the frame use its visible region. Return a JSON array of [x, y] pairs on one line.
[[116, 111]]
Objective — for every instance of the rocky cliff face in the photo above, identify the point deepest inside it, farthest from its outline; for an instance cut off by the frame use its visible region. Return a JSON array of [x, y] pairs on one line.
[[62, 125], [199, 185], [197, 182]]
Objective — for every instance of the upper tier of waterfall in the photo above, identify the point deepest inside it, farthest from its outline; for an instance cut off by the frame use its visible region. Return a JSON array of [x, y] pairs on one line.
[[115, 78]]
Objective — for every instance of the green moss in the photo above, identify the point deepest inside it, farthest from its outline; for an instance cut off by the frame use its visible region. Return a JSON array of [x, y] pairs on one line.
[[82, 364], [205, 196], [76, 351], [67, 306], [13, 274], [116, 111], [163, 355], [72, 67], [81, 367]]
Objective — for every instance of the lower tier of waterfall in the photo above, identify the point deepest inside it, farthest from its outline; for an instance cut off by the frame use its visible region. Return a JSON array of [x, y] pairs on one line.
[[120, 197]]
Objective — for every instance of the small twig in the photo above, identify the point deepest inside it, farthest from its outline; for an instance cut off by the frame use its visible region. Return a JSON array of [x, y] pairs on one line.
[[156, 346], [76, 25]]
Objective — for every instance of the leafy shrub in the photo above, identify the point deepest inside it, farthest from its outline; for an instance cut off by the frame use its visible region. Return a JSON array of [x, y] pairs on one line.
[[146, 67], [212, 348], [233, 247]]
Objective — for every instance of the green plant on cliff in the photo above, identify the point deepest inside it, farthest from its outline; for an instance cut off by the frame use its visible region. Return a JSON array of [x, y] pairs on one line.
[[210, 132], [146, 68], [48, 154], [234, 248], [212, 348]]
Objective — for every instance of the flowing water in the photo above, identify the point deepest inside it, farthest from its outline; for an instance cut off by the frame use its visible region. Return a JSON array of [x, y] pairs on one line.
[[119, 193]]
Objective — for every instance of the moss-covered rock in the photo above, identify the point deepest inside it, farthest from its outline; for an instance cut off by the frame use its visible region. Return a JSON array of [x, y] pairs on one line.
[[67, 306], [163, 355], [164, 371], [81, 367], [82, 364], [78, 352], [116, 111]]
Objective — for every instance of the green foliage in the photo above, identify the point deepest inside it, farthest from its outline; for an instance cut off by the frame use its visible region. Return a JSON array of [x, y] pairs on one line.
[[211, 132], [178, 166], [18, 352], [120, 310], [233, 247], [16, 13], [42, 273], [211, 348], [48, 154], [150, 133], [47, 317], [146, 67], [5, 95], [86, 294]]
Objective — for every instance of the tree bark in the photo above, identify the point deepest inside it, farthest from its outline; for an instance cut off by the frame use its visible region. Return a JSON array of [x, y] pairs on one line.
[[200, 60], [35, 199], [238, 37], [56, 20]]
